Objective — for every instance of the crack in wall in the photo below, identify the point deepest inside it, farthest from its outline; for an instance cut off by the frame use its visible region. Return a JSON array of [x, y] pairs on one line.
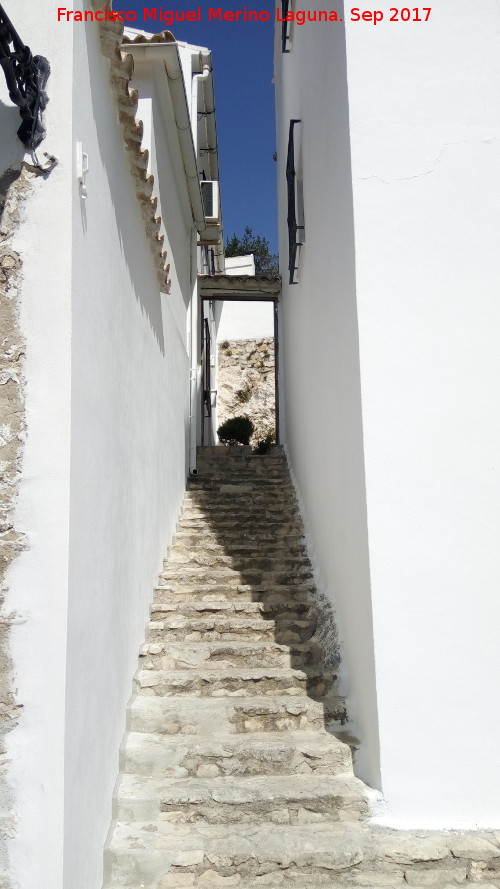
[[436, 161], [14, 186]]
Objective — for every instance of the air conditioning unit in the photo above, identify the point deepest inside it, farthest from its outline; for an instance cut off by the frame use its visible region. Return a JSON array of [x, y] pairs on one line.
[[211, 203]]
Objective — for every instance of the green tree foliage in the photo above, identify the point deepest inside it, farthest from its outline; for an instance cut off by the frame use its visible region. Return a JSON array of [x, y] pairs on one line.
[[266, 263]]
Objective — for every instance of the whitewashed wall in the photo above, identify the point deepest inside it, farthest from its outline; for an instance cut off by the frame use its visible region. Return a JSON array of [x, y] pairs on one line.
[[246, 321], [425, 130], [129, 417], [320, 358], [38, 580], [105, 465], [240, 265], [423, 281]]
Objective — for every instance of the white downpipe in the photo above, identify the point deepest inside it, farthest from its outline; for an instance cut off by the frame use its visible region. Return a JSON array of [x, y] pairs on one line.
[[194, 381], [194, 374]]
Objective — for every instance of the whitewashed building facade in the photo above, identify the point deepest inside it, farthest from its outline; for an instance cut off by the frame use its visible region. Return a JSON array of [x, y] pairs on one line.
[[100, 250], [391, 367]]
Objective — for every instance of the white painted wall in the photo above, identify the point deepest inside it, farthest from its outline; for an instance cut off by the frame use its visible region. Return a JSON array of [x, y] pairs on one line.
[[245, 321], [320, 358], [105, 465], [38, 580], [425, 130], [128, 462], [240, 265], [423, 281]]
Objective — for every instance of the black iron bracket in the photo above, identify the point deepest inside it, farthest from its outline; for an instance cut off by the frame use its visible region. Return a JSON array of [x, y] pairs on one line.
[[26, 77], [291, 219], [285, 36]]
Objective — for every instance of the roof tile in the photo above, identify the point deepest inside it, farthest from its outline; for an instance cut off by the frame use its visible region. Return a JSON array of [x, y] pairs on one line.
[[121, 72]]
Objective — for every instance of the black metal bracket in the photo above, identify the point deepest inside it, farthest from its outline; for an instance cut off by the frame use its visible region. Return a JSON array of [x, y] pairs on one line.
[[293, 228], [26, 77], [285, 37]]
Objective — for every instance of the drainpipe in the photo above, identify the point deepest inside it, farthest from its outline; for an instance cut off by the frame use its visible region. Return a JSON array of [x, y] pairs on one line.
[[211, 130], [194, 375]]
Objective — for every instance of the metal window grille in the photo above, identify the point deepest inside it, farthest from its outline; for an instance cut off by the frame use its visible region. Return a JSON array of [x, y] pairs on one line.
[[293, 228], [285, 37], [26, 77], [207, 369]]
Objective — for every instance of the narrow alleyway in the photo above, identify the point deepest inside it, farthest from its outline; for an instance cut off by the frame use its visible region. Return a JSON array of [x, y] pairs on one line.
[[237, 767]]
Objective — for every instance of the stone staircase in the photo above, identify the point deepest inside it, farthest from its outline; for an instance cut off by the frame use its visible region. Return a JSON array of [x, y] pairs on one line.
[[236, 770]]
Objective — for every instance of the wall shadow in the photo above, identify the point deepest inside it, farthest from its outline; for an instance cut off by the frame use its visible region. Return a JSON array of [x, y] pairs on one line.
[[11, 151], [265, 546], [129, 223]]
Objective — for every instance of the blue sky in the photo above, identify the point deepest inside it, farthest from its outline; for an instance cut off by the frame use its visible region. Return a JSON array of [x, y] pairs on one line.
[[244, 99]]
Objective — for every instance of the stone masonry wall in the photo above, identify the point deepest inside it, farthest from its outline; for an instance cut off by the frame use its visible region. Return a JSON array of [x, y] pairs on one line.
[[245, 383], [14, 185]]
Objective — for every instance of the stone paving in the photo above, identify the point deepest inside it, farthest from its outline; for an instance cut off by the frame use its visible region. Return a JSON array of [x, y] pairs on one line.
[[236, 770]]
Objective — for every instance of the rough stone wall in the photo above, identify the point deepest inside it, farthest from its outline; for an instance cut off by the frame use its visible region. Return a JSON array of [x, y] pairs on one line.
[[14, 185], [245, 383]]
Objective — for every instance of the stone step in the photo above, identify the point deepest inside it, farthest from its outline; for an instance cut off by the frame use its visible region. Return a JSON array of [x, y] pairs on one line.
[[258, 463], [235, 682], [274, 753], [231, 715], [243, 497], [261, 518], [209, 540], [190, 544], [206, 575], [167, 856], [201, 558], [273, 507], [205, 565], [223, 628], [225, 452], [276, 491], [280, 799], [218, 592], [215, 468], [241, 487], [211, 470], [211, 479], [231, 457], [195, 655], [161, 855], [233, 589], [271, 607], [231, 532], [242, 520]]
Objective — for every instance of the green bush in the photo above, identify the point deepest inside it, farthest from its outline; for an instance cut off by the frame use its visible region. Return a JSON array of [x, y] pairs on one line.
[[265, 444], [237, 430], [244, 395]]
